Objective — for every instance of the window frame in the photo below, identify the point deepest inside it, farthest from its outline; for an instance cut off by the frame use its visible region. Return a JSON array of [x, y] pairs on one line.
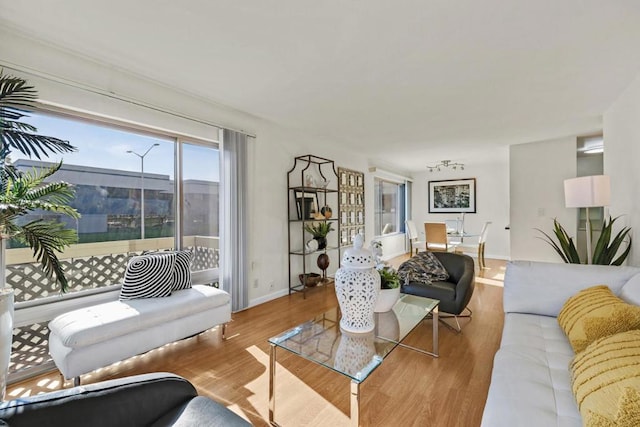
[[42, 309], [401, 205]]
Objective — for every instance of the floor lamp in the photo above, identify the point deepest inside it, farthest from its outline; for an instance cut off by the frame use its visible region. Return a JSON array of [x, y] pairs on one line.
[[587, 192]]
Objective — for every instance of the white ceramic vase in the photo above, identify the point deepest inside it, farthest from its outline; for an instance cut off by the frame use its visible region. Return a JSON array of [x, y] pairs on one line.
[[357, 283], [386, 299], [6, 336]]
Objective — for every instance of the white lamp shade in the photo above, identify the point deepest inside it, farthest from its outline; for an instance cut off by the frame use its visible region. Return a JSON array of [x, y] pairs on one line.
[[587, 191]]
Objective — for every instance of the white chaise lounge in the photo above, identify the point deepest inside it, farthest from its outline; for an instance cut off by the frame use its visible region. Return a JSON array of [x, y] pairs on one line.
[[93, 337]]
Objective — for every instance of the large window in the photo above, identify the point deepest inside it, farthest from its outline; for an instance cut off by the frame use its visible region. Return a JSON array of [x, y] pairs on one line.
[[125, 191], [389, 206], [136, 191]]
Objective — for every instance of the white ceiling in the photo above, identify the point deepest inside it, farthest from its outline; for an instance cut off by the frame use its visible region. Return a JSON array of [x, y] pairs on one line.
[[407, 82]]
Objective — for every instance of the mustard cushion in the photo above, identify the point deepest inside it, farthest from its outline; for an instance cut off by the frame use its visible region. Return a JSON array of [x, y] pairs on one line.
[[606, 381], [594, 313]]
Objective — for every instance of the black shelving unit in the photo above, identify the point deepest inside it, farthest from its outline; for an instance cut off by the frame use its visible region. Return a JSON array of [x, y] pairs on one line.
[[306, 196]]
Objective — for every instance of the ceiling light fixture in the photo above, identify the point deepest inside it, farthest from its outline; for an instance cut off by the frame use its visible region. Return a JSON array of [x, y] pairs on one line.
[[446, 164]]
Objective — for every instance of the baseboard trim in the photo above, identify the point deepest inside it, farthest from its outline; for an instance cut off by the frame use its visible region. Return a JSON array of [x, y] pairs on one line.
[[268, 297]]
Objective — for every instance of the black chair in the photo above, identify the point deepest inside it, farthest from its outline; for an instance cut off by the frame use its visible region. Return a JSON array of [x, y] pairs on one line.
[[158, 399], [455, 293]]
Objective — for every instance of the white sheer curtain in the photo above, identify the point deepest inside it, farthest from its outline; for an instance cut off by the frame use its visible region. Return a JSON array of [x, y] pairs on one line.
[[233, 218]]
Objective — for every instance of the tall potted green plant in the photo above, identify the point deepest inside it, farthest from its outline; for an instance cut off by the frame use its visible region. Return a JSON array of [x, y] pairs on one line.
[[22, 193], [605, 251]]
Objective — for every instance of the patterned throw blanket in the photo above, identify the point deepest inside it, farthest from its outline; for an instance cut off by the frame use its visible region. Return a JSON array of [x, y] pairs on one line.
[[422, 268]]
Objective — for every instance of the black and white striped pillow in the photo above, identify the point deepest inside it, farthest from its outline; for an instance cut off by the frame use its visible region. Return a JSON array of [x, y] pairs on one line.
[[148, 276], [182, 270]]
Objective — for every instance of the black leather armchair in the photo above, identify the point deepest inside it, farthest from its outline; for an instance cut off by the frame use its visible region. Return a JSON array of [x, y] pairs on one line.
[[158, 399], [455, 293]]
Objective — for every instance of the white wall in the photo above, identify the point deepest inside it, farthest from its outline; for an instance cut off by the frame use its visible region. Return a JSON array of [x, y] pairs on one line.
[[537, 174], [622, 160], [492, 200]]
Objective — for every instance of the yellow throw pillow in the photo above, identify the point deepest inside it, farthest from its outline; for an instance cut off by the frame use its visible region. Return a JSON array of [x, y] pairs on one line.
[[606, 381], [594, 313]]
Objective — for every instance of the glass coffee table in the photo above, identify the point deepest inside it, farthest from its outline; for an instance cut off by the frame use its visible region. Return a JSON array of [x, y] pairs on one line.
[[321, 340]]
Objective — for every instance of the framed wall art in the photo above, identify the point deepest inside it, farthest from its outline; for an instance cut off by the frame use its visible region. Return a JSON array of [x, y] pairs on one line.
[[452, 196]]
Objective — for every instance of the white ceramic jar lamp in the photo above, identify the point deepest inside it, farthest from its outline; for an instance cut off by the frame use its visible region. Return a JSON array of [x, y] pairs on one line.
[[357, 283]]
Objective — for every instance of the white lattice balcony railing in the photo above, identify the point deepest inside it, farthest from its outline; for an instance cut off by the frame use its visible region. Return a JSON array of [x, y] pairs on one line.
[[89, 267]]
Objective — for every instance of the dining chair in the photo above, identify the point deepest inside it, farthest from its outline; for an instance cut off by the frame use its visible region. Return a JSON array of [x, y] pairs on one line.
[[477, 248], [414, 239], [436, 237]]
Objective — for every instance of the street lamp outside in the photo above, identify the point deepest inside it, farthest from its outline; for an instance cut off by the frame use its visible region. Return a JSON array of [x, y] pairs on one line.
[[142, 185]]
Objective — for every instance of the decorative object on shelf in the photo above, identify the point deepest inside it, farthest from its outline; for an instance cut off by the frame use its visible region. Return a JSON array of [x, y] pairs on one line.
[[389, 281], [324, 183], [309, 181], [319, 231], [452, 196], [357, 284], [323, 264], [445, 164], [605, 251], [326, 211], [351, 200], [311, 246], [306, 205], [309, 279]]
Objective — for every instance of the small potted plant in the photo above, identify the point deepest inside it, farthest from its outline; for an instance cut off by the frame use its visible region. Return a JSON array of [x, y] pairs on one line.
[[319, 231], [389, 281], [389, 278]]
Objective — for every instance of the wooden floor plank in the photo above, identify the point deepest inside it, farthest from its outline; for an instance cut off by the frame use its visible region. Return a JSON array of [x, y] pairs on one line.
[[408, 389]]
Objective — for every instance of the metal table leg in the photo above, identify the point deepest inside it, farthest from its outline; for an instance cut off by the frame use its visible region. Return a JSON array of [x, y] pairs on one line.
[[272, 379], [355, 404], [435, 331]]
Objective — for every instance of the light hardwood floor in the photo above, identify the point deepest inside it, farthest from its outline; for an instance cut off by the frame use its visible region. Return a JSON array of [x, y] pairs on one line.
[[408, 389]]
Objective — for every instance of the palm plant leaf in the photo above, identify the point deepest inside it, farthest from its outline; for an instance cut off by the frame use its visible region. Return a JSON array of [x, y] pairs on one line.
[[29, 189], [15, 93], [15, 96], [46, 238], [34, 145], [565, 246], [606, 248], [623, 256], [24, 192]]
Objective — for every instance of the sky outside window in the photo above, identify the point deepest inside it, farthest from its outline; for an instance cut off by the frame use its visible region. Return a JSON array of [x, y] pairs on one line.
[[105, 147]]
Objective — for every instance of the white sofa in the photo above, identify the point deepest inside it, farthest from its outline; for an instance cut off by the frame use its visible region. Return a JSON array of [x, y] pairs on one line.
[[531, 382], [89, 338]]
